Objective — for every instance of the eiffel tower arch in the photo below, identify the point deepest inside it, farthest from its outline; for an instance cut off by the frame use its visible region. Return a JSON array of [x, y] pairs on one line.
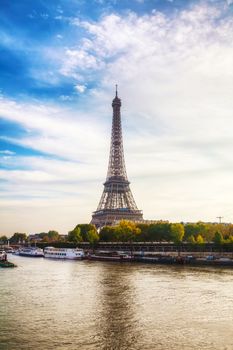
[[117, 202]]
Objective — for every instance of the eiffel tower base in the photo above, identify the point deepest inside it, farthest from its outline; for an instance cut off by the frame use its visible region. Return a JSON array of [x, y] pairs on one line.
[[109, 217]]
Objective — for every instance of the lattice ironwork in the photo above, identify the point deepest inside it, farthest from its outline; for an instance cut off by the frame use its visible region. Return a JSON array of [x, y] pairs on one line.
[[117, 201]]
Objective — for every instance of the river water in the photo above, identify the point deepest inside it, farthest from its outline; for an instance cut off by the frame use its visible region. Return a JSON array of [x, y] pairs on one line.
[[69, 305]]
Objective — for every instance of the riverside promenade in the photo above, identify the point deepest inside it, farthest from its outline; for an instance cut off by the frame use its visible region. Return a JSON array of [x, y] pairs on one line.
[[164, 253], [168, 253], [163, 247]]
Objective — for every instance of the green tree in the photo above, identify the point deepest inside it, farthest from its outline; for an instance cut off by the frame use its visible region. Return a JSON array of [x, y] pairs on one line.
[[160, 231], [92, 237], [213, 228], [84, 229], [218, 238], [195, 229], [191, 239], [75, 235], [144, 235], [108, 234], [230, 230], [177, 232], [3, 239], [18, 238], [127, 231], [43, 234], [53, 236]]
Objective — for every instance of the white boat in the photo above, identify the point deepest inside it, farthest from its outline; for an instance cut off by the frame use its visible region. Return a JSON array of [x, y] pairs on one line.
[[3, 255], [31, 252], [64, 253], [10, 250]]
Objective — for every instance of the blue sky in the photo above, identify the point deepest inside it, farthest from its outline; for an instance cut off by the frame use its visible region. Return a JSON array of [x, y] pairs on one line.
[[59, 63]]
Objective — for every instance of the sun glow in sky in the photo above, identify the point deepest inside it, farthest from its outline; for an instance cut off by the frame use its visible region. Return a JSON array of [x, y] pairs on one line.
[[59, 63]]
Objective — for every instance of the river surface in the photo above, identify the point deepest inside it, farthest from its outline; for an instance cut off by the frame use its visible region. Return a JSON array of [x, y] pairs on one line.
[[74, 305]]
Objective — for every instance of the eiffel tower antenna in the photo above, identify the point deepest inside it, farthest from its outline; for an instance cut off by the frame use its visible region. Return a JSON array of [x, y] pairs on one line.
[[117, 202]]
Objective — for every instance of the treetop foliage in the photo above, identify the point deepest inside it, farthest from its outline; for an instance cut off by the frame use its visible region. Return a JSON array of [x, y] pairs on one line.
[[128, 231], [196, 233]]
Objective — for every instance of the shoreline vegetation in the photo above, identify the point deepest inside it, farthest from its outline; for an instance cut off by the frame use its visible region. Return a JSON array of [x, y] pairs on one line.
[[198, 236]]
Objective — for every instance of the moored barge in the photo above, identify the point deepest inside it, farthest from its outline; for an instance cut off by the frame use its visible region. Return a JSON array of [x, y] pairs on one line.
[[110, 256]]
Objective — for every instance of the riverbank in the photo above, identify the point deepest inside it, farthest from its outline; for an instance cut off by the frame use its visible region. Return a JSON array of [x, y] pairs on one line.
[[187, 261], [155, 258]]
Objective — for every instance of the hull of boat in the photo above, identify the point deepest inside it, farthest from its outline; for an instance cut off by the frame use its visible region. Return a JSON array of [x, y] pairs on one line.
[[31, 255], [110, 258], [63, 258]]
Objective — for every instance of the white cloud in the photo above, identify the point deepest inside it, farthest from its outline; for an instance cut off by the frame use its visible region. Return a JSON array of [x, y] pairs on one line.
[[80, 88], [72, 134], [66, 98], [79, 60], [7, 152]]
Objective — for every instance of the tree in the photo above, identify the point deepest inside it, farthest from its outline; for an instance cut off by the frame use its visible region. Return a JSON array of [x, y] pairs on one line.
[[144, 235], [84, 229], [191, 239], [199, 239], [230, 230], [218, 238], [159, 232], [195, 229], [43, 234], [177, 232], [127, 231], [53, 236], [108, 234], [3, 239], [92, 237], [213, 228], [45, 238], [75, 235], [18, 238]]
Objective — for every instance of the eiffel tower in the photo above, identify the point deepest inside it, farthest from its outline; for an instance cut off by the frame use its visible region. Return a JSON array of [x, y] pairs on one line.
[[117, 202]]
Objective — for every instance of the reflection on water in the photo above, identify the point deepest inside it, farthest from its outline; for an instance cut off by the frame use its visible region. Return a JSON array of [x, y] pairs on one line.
[[118, 320], [48, 304]]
